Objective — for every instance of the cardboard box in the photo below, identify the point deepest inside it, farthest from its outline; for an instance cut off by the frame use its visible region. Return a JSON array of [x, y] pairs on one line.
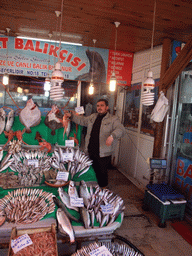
[[19, 232]]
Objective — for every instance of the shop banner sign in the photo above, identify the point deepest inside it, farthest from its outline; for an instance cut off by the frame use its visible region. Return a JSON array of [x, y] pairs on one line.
[[183, 176], [36, 58]]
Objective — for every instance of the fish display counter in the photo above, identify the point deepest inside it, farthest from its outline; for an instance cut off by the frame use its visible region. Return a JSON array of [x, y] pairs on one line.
[[44, 182]]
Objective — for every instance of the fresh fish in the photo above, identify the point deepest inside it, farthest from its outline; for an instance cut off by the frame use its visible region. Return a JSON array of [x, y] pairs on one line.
[[1, 153], [2, 120], [65, 224], [10, 120], [85, 217], [30, 115], [52, 119], [84, 193], [72, 191], [66, 199], [66, 125], [63, 207]]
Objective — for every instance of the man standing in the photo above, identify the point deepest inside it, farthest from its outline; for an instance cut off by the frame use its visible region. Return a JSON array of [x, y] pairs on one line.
[[102, 129]]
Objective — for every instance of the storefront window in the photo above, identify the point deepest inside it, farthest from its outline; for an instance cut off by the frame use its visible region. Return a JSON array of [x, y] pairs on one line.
[[131, 116]]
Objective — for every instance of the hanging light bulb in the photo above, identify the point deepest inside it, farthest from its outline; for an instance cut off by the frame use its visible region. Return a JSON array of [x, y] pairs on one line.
[[5, 79], [6, 76], [46, 93], [91, 86], [57, 77], [147, 96], [47, 84], [113, 81]]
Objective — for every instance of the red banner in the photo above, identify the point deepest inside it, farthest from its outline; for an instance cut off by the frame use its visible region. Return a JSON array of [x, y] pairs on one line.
[[121, 63]]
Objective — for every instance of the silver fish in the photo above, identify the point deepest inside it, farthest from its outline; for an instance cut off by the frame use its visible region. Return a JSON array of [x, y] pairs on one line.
[[2, 120], [66, 199], [84, 193], [10, 120], [85, 217], [65, 224], [63, 207]]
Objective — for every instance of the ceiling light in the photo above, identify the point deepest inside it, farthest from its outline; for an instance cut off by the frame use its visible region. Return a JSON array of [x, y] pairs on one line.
[[5, 79], [113, 81], [147, 97], [46, 93], [24, 98], [19, 90], [45, 40], [91, 88], [47, 84]]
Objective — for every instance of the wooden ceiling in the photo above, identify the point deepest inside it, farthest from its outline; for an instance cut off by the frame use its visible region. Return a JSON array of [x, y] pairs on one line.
[[85, 20]]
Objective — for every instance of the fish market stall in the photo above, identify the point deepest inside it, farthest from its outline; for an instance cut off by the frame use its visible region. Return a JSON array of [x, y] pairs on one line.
[[43, 181]]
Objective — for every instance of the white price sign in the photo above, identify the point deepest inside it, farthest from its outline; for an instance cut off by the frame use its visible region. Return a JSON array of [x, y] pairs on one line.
[[107, 209], [69, 143], [76, 201], [67, 157], [101, 251], [80, 110], [62, 176], [34, 162], [20, 243]]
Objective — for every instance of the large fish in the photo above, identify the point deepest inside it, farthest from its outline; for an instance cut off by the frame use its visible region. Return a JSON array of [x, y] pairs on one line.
[[63, 207], [30, 115], [53, 119], [2, 120], [84, 193], [10, 120], [65, 224]]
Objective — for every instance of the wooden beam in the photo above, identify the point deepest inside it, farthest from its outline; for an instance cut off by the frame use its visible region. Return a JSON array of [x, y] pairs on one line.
[[177, 66]]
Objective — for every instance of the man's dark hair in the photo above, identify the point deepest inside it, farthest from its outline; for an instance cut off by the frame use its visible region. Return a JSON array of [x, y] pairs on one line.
[[106, 101]]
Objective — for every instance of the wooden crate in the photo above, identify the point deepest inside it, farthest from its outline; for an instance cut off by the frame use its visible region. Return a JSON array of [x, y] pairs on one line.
[[18, 232]]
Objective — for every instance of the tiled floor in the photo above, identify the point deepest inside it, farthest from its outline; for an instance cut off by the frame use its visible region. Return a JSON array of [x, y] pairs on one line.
[[141, 227]]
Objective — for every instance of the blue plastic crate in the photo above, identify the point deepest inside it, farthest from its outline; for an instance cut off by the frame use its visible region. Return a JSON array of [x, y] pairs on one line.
[[164, 192]]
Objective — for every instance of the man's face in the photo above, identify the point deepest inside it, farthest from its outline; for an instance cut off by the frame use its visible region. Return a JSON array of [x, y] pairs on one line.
[[101, 107]]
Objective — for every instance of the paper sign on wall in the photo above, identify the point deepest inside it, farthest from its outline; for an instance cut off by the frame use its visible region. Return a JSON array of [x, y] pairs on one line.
[[69, 143]]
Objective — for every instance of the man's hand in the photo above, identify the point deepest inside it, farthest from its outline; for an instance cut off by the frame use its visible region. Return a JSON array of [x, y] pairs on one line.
[[109, 140]]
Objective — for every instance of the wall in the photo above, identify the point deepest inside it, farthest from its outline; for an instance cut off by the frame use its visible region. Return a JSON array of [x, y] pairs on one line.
[[136, 147]]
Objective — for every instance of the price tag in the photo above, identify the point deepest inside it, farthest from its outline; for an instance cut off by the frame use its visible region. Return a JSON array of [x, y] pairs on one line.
[[76, 201], [20, 243], [62, 176], [107, 209], [101, 251], [69, 143], [34, 162], [67, 157], [80, 110]]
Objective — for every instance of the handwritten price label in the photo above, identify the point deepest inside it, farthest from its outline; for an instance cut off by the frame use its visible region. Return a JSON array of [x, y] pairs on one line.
[[69, 143], [107, 209], [101, 251], [80, 110], [77, 202], [62, 176], [20, 243]]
